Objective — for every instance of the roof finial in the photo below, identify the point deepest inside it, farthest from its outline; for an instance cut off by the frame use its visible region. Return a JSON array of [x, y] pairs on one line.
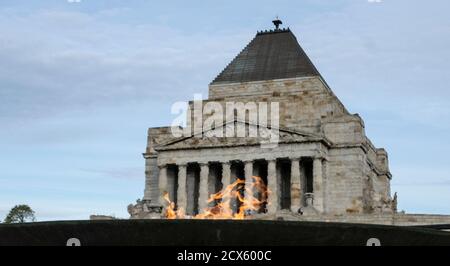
[[277, 23]]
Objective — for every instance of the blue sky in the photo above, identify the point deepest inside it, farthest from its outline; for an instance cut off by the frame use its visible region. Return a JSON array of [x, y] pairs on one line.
[[80, 83]]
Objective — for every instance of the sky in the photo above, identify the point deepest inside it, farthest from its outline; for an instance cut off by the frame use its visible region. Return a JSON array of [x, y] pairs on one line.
[[81, 81]]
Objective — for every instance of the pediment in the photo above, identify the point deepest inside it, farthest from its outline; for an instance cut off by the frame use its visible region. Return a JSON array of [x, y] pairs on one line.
[[212, 138]]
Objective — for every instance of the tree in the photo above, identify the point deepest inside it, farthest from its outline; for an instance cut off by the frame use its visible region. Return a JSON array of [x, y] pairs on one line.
[[20, 214]]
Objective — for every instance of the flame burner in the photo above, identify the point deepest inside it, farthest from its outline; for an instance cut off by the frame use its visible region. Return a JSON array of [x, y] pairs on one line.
[[251, 197]]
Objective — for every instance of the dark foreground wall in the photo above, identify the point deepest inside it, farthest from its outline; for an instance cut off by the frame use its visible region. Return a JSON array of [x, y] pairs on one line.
[[208, 233]]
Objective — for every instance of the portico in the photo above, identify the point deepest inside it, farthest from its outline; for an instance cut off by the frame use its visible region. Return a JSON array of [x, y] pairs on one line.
[[285, 177]]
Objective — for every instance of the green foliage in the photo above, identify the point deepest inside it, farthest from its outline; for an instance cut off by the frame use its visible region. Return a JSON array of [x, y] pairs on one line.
[[20, 214]]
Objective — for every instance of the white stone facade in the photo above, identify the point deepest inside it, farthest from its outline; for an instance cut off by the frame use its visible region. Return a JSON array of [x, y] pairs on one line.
[[329, 160]]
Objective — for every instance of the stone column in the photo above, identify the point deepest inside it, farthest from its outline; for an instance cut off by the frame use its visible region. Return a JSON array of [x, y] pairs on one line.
[[318, 184], [162, 184], [296, 195], [272, 185], [148, 178], [226, 174], [203, 190], [151, 192], [182, 192], [248, 176]]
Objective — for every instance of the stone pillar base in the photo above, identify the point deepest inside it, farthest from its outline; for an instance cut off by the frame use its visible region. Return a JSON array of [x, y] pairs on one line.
[[144, 209]]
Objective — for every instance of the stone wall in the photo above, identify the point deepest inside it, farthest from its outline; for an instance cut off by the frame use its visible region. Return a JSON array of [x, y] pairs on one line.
[[399, 219], [97, 217], [345, 182], [304, 102]]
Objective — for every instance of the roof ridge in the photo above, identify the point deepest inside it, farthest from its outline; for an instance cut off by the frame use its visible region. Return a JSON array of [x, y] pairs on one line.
[[273, 31]]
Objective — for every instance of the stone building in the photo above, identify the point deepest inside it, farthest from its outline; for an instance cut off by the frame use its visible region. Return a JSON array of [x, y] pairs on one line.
[[323, 163]]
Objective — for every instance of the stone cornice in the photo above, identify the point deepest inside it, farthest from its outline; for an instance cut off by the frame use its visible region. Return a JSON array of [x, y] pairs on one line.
[[150, 155], [302, 137]]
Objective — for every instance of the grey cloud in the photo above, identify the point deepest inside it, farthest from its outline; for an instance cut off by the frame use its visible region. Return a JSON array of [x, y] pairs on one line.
[[56, 61]]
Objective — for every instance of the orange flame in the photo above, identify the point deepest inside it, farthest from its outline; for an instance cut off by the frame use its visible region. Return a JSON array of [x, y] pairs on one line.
[[170, 210], [251, 197]]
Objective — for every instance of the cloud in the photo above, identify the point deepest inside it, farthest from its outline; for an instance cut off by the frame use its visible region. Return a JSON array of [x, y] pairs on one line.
[[54, 61], [117, 172], [390, 56]]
